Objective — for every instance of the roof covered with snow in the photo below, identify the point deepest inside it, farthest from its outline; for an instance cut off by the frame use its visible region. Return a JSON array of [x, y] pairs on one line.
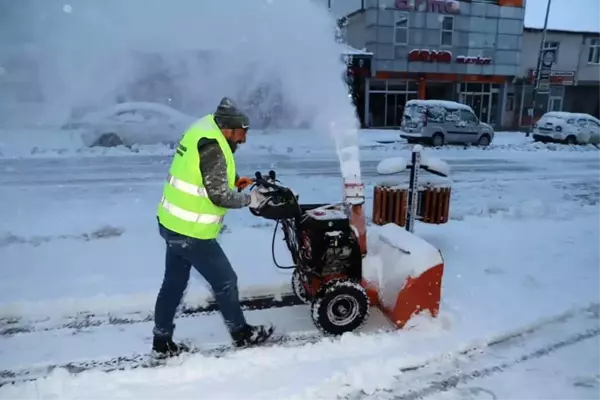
[[438, 103], [565, 15], [351, 50]]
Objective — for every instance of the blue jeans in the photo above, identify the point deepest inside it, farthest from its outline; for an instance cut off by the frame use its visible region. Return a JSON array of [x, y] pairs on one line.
[[208, 258]]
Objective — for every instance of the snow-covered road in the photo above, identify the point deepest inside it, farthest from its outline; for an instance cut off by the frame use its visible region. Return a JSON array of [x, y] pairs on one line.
[[149, 169], [82, 261]]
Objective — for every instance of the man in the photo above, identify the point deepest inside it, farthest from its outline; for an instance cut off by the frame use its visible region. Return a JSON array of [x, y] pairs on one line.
[[199, 191]]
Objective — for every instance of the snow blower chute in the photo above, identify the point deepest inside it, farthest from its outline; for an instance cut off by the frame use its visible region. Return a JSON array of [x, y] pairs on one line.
[[332, 272]]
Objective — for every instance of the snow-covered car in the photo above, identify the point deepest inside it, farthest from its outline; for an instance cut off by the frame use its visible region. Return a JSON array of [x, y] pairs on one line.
[[440, 122], [131, 123], [568, 128]]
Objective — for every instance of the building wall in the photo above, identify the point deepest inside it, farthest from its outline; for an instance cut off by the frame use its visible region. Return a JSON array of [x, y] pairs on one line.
[[567, 56], [479, 29], [579, 93], [572, 54], [355, 32], [588, 71]]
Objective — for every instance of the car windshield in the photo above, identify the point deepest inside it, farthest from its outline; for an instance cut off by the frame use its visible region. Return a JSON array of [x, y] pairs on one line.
[[552, 117], [413, 112]]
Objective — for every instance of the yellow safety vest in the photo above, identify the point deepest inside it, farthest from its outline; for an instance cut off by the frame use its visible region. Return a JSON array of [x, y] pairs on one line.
[[185, 207]]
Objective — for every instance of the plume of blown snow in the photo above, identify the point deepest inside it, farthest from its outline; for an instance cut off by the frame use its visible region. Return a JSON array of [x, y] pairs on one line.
[[278, 59]]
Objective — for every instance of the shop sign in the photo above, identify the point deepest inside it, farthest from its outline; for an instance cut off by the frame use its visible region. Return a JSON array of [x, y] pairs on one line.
[[474, 60], [565, 78], [445, 57], [433, 6], [441, 56]]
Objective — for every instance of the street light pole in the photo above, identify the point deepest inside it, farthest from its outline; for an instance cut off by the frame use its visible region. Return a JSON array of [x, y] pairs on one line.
[[538, 68]]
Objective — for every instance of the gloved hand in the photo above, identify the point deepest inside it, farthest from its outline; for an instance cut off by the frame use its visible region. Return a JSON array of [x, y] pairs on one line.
[[243, 182], [257, 198]]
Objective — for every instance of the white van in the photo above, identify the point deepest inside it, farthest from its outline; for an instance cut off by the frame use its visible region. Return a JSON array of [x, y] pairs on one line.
[[439, 122]]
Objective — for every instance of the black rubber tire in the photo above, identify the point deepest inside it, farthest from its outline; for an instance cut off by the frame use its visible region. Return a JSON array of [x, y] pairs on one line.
[[571, 140], [433, 140], [484, 141], [298, 288], [340, 292], [109, 139]]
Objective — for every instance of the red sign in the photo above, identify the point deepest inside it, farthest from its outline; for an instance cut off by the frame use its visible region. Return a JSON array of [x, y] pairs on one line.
[[444, 56], [439, 6]]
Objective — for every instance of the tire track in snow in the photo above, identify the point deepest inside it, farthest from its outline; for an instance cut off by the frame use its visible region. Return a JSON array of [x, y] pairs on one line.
[[454, 380], [447, 377], [300, 339], [14, 326]]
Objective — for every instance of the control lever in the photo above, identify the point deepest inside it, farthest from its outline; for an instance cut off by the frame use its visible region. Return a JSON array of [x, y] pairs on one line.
[[272, 174]]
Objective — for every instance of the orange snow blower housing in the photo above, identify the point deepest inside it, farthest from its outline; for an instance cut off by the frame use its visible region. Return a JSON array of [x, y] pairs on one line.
[[402, 273]]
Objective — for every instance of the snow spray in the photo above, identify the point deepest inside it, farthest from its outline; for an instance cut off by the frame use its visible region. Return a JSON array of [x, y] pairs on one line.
[[189, 54]]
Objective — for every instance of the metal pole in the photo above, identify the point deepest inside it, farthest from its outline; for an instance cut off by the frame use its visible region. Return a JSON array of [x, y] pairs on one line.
[[537, 70], [413, 188]]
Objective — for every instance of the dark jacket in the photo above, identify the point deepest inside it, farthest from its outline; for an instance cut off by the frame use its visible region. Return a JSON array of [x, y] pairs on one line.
[[214, 175]]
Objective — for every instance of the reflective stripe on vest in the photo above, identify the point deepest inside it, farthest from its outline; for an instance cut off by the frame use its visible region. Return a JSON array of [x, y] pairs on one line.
[[187, 187], [185, 207], [190, 216]]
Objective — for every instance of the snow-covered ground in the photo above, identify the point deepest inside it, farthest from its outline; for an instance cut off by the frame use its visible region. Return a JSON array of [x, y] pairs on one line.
[[44, 143], [82, 262]]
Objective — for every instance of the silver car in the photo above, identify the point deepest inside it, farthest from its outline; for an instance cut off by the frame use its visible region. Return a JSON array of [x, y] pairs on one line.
[[440, 122], [131, 123], [567, 128]]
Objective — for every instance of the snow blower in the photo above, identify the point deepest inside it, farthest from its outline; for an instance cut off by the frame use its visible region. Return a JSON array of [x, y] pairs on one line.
[[332, 271]]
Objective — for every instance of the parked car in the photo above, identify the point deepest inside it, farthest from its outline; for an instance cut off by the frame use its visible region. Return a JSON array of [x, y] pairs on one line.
[[440, 122], [131, 123], [568, 128]]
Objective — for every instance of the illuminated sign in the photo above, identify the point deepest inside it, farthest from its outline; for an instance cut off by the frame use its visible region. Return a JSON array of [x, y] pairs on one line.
[[438, 6], [445, 57], [441, 56]]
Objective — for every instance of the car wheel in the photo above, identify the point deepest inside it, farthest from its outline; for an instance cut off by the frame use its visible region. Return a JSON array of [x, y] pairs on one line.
[[484, 140], [437, 140], [108, 140], [571, 140]]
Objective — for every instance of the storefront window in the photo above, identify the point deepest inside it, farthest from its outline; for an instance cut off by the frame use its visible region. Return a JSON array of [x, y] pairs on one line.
[[377, 109], [387, 100], [377, 84], [483, 98], [396, 85], [544, 102], [391, 109]]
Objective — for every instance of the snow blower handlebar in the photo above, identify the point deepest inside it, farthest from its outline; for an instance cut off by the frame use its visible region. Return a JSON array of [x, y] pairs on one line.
[[281, 205], [281, 201]]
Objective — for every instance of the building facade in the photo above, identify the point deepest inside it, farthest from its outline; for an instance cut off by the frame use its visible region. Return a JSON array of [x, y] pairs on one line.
[[574, 75], [466, 51]]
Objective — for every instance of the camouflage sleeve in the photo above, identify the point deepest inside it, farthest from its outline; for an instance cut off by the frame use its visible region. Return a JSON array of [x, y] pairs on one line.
[[214, 174]]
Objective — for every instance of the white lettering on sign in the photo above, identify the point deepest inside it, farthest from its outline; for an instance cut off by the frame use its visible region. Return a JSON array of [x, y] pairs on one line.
[[474, 60]]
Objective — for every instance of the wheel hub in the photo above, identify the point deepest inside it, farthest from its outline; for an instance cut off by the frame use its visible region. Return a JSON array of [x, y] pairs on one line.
[[342, 310]]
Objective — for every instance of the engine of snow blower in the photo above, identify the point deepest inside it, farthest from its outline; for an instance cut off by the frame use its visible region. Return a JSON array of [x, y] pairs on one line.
[[326, 254]]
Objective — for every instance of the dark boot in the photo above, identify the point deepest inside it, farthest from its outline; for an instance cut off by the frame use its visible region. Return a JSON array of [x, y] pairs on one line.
[[165, 347], [252, 335]]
